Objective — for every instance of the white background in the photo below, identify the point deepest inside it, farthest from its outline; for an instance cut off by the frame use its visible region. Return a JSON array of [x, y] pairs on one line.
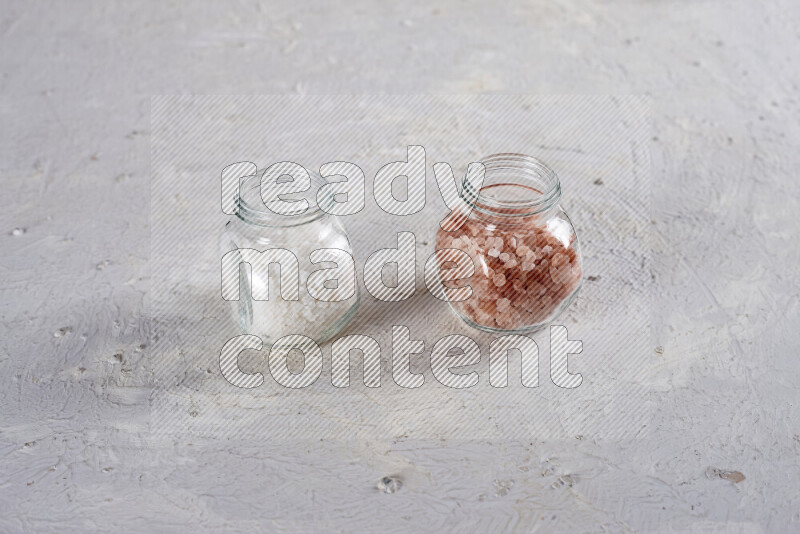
[[76, 447]]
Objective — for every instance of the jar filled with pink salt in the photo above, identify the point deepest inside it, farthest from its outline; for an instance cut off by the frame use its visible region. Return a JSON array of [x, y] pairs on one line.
[[522, 243]]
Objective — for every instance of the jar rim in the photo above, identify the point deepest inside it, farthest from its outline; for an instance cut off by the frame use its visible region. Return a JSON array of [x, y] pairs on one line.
[[250, 206], [515, 172]]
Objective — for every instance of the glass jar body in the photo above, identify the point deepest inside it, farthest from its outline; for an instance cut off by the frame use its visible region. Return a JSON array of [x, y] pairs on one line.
[[528, 264], [274, 318]]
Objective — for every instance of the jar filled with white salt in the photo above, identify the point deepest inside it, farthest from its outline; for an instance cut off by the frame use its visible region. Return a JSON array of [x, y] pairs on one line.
[[523, 246], [288, 274]]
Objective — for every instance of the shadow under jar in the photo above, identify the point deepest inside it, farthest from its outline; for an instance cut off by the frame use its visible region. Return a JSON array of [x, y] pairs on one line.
[[255, 227], [523, 245]]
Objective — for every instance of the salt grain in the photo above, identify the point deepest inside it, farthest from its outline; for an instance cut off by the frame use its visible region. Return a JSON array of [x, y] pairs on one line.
[[503, 305]]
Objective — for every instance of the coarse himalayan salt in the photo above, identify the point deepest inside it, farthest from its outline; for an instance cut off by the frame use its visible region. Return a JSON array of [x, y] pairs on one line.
[[522, 273]]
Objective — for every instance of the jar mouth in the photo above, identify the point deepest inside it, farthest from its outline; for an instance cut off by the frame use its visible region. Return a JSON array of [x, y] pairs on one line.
[[251, 209], [515, 185]]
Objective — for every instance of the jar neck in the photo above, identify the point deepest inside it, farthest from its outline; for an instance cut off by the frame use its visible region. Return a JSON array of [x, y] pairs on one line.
[[251, 210], [515, 187]]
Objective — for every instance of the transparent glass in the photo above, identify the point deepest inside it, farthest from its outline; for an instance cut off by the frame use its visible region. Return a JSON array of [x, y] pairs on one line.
[[255, 227], [527, 259]]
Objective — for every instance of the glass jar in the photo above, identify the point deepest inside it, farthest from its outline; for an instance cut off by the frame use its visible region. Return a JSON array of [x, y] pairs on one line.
[[522, 243], [255, 227]]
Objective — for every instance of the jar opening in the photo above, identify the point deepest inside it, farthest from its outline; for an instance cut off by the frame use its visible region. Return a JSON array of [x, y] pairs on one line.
[[250, 205], [515, 185]]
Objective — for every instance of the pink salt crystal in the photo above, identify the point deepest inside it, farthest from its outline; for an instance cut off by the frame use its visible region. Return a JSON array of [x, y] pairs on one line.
[[536, 289], [511, 263], [559, 260], [563, 274], [499, 280], [512, 242], [504, 321], [489, 305], [523, 251], [547, 250], [483, 286], [508, 320], [527, 266], [503, 305], [493, 252], [469, 306], [556, 275], [482, 317], [504, 257]]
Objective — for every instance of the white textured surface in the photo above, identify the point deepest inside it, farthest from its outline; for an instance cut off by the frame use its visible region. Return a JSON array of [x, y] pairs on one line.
[[75, 445]]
